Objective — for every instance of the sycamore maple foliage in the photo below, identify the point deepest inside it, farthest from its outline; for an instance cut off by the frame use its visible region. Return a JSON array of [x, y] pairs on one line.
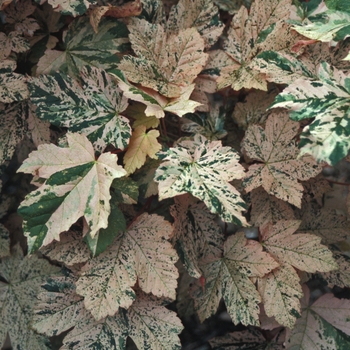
[[158, 136]]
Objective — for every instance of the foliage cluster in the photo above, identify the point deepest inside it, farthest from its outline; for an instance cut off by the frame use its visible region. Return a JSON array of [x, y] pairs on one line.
[[172, 136]]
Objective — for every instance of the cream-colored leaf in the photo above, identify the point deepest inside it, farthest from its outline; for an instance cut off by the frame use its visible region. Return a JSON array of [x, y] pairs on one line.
[[141, 145], [303, 251], [341, 277], [164, 63], [38, 130], [137, 112], [279, 168], [76, 185], [280, 291]]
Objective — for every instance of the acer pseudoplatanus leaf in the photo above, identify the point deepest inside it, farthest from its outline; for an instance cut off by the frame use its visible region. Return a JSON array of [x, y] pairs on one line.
[[76, 185]]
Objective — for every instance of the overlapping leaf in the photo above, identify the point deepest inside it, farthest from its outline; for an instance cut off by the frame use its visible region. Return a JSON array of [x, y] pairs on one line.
[[166, 64], [279, 167], [142, 144], [21, 278], [12, 42], [262, 29], [341, 277], [203, 169], [76, 185], [71, 7], [327, 138], [142, 253], [4, 241], [229, 278], [196, 233], [85, 47], [93, 109], [323, 325]]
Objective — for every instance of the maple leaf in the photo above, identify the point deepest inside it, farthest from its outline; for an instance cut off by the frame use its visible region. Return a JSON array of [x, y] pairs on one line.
[[158, 104], [229, 277], [200, 14], [246, 340], [85, 47], [21, 278], [74, 179], [267, 208], [38, 130], [4, 241], [326, 100], [323, 325], [196, 233], [137, 112], [341, 277], [13, 86], [280, 169], [93, 109], [166, 64], [141, 144], [262, 29], [142, 253], [13, 42], [71, 7], [203, 169]]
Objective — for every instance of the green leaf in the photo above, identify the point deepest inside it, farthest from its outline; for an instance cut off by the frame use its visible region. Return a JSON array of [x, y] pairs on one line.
[[327, 100], [204, 169], [93, 109], [71, 7], [126, 190], [76, 185], [85, 47], [21, 278]]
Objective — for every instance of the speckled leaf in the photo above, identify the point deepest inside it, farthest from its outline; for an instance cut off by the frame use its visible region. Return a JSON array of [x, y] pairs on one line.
[[303, 250], [93, 109], [267, 208], [152, 326], [260, 29], [158, 104], [247, 340], [13, 86], [58, 308], [76, 185], [85, 47], [313, 331], [71, 7], [38, 130], [144, 253], [164, 63], [229, 277], [204, 169], [341, 277], [21, 278], [279, 168], [12, 128], [196, 233], [327, 138], [325, 223], [200, 14], [280, 291], [70, 249], [327, 26], [13, 42], [4, 242], [142, 144]]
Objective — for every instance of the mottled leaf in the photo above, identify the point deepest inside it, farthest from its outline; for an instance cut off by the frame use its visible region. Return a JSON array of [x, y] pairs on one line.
[[229, 277], [327, 138], [4, 242], [166, 64], [21, 278], [93, 109], [203, 169], [341, 277], [142, 144], [196, 233], [38, 130], [76, 185], [85, 47], [278, 168]]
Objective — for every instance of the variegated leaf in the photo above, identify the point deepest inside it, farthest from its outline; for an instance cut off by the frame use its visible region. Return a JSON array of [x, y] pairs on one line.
[[71, 7], [327, 99], [93, 109], [38, 130], [85, 47], [204, 169], [166, 64], [279, 168], [4, 241], [196, 234], [76, 185], [200, 14], [229, 277], [21, 278], [341, 277]]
